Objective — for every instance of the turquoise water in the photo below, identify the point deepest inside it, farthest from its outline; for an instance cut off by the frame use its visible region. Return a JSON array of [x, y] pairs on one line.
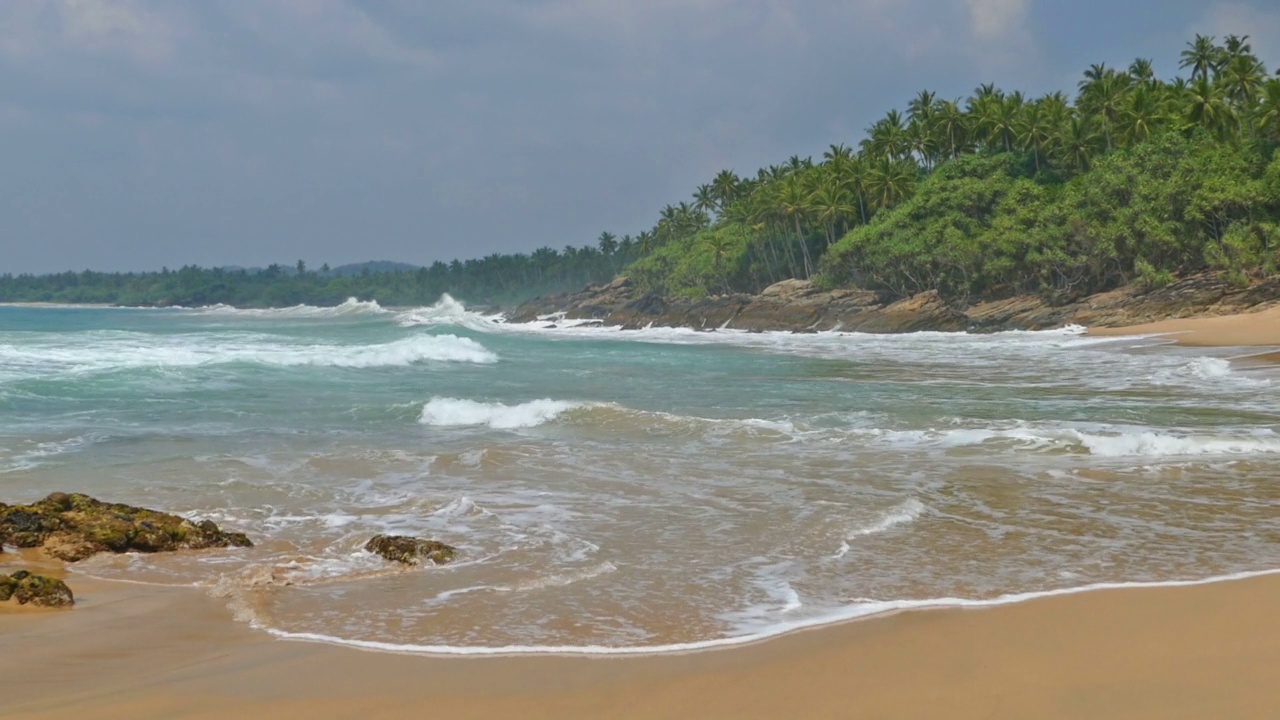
[[622, 491]]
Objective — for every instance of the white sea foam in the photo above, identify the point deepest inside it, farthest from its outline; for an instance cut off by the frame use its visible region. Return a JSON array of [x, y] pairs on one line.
[[449, 312], [452, 412], [1096, 440], [1206, 370], [350, 307], [131, 351], [900, 514], [858, 608]]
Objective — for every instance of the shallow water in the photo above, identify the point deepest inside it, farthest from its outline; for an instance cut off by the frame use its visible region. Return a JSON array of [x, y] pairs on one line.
[[622, 491]]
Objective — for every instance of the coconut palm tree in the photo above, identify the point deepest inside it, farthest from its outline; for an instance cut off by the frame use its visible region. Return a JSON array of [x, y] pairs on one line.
[[1205, 106], [1242, 80], [1269, 111], [1077, 142], [1142, 115], [1142, 71], [608, 243], [726, 188], [1201, 56], [950, 127], [704, 199], [1034, 130], [833, 205]]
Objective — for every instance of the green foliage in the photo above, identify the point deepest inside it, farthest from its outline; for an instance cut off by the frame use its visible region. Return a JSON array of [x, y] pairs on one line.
[[980, 227], [710, 261]]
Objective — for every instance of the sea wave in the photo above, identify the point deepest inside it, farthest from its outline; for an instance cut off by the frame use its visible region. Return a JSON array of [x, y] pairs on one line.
[[134, 351], [453, 412], [1096, 440], [449, 312], [352, 306]]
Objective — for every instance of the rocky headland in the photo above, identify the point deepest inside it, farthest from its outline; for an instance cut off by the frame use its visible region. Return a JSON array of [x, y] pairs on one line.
[[799, 306]]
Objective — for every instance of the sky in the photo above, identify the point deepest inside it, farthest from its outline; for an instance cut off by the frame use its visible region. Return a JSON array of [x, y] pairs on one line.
[[136, 134]]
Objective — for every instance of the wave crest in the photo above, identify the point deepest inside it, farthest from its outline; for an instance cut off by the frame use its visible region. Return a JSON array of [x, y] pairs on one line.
[[351, 306], [452, 412]]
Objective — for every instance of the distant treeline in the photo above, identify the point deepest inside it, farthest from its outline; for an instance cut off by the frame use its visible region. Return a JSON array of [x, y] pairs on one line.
[[1130, 178], [496, 279]]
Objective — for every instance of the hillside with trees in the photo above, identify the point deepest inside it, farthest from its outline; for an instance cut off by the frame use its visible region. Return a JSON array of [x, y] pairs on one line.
[[1128, 178]]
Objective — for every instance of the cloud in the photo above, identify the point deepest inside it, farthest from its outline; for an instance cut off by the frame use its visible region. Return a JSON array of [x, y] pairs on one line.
[[997, 20], [41, 28]]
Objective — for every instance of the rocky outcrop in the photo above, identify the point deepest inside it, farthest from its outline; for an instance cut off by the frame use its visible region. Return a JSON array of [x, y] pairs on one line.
[[72, 527], [38, 590], [797, 305], [410, 550]]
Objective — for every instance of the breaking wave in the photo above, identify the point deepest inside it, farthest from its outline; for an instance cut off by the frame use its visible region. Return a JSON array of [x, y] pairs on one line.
[[129, 352], [449, 312], [351, 306], [452, 412]]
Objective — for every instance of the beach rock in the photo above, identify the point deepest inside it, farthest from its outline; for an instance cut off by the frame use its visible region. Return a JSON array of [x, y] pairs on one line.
[[799, 306], [38, 590], [409, 550], [72, 527]]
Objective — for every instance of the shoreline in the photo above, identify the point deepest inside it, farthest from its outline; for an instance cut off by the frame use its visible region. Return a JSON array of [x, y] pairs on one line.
[[1105, 653], [1255, 329], [893, 607]]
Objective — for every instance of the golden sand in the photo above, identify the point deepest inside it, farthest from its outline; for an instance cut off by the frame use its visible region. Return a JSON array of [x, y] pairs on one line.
[[1207, 651], [1248, 329]]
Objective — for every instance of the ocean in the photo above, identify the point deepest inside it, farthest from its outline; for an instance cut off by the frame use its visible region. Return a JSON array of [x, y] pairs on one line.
[[617, 491]]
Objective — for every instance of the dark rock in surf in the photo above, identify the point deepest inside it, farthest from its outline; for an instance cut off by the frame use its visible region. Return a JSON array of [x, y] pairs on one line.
[[410, 550], [38, 590], [72, 527]]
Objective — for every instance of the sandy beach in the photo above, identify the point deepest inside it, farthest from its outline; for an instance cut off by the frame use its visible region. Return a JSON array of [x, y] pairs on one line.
[[1244, 330], [131, 651]]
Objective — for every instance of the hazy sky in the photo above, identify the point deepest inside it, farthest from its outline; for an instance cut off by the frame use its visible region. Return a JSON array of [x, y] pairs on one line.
[[137, 133]]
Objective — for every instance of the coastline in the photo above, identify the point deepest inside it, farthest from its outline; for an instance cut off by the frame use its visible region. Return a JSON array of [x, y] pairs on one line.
[[1194, 651], [1257, 329]]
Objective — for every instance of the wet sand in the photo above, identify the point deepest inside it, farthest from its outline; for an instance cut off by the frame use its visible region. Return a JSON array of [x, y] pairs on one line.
[[131, 651], [1244, 330]]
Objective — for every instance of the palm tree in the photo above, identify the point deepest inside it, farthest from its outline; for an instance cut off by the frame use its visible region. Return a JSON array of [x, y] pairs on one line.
[[1269, 110], [920, 109], [1077, 142], [704, 199], [1002, 126], [793, 201], [1205, 106], [1141, 115], [726, 188], [949, 124], [719, 246], [608, 243], [890, 182], [1142, 71], [834, 207], [1034, 130], [1201, 56], [1242, 79], [888, 137]]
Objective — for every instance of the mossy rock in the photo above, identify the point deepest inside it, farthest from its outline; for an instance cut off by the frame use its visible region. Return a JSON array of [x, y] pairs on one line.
[[38, 590], [73, 527], [410, 550]]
